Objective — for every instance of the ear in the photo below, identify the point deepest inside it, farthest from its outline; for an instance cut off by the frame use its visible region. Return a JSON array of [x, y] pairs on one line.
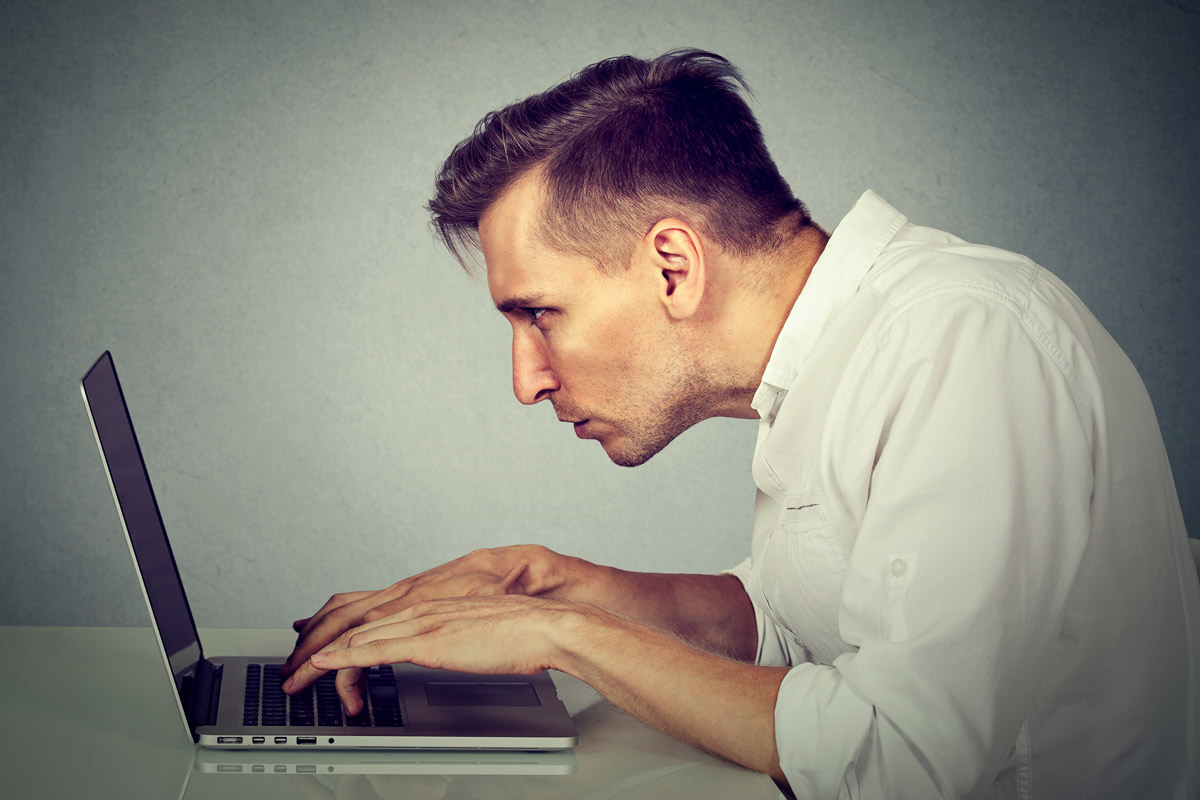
[[676, 253]]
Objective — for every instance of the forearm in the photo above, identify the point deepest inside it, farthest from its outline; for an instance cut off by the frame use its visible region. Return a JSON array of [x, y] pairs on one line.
[[717, 703], [723, 706], [710, 611]]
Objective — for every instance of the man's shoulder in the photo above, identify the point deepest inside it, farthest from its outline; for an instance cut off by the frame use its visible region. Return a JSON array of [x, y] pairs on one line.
[[920, 264]]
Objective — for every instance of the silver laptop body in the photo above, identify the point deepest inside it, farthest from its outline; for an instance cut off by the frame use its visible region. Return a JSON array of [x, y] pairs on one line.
[[409, 707]]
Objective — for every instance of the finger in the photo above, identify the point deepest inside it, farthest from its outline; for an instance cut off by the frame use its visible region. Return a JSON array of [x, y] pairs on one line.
[[384, 644], [403, 607], [335, 602], [332, 624], [370, 654], [306, 675], [350, 683], [421, 617]]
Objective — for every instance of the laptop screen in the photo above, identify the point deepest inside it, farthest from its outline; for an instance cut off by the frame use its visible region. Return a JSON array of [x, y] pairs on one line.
[[139, 512]]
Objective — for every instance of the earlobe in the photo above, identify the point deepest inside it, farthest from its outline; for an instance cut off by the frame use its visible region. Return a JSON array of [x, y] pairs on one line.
[[678, 256]]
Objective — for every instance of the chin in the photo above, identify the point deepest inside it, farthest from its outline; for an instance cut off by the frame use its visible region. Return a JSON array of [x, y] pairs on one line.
[[629, 456]]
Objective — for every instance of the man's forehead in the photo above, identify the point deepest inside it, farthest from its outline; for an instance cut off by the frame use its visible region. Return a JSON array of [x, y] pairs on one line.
[[506, 235], [515, 212], [523, 271]]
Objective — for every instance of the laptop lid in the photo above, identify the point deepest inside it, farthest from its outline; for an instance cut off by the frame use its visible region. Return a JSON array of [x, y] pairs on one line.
[[138, 511]]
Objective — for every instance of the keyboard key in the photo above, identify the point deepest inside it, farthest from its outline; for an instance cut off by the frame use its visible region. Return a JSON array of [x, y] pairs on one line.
[[265, 703]]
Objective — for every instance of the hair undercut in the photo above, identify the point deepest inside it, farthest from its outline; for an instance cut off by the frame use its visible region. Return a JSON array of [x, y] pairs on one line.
[[621, 145]]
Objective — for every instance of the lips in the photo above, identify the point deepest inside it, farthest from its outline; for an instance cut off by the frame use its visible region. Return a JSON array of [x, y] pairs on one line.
[[580, 428]]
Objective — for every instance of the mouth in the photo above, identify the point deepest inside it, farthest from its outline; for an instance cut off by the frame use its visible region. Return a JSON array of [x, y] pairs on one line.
[[580, 428]]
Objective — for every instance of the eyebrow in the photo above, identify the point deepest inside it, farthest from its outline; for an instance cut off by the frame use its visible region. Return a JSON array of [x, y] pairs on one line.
[[533, 300]]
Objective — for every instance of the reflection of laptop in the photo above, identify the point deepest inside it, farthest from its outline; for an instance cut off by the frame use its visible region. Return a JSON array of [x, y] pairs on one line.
[[235, 702], [407, 762]]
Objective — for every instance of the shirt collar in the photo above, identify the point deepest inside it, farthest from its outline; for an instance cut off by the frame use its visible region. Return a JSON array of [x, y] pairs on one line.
[[848, 256]]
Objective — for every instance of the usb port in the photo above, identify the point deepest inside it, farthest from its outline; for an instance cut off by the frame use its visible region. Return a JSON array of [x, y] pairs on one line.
[[229, 740], [259, 740], [303, 740], [280, 740]]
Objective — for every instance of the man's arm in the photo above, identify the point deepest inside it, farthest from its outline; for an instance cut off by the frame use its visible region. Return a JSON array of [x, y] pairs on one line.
[[713, 702], [710, 611]]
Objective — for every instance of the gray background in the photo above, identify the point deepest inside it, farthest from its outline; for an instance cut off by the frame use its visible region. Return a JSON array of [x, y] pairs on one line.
[[228, 196]]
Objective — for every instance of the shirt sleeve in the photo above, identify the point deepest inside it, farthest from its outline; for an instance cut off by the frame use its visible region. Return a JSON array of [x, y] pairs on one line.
[[773, 648], [965, 426]]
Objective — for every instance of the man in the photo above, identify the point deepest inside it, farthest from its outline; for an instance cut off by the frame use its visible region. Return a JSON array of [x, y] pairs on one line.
[[969, 571]]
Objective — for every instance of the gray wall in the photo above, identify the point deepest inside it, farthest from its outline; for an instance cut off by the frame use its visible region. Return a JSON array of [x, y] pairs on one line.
[[228, 196]]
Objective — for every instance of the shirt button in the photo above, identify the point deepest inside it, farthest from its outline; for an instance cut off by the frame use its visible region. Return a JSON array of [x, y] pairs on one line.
[[899, 567]]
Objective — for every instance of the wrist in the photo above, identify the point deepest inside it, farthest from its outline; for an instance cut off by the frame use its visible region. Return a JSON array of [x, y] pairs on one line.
[[578, 633]]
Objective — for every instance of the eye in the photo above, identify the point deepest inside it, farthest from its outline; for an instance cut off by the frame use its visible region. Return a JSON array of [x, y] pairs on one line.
[[534, 314]]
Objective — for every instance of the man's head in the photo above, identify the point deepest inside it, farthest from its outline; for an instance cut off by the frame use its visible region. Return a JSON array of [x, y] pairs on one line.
[[621, 145], [617, 214]]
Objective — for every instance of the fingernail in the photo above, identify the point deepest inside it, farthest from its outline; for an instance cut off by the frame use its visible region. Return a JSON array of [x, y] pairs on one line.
[[288, 683]]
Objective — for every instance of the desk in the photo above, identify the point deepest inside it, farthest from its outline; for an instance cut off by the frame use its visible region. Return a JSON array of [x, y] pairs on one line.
[[87, 712]]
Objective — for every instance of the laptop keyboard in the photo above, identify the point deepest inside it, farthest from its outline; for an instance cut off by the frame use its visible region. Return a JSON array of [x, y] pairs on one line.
[[266, 704]]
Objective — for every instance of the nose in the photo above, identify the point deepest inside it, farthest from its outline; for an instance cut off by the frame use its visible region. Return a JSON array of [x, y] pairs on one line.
[[533, 378]]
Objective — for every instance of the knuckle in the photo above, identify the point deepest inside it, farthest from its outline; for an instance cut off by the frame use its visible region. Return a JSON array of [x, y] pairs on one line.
[[341, 615]]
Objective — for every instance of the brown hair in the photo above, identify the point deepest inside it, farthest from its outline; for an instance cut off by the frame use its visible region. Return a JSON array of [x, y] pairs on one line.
[[621, 145]]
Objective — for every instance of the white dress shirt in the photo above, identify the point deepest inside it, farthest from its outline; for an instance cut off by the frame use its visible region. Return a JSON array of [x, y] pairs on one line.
[[967, 540]]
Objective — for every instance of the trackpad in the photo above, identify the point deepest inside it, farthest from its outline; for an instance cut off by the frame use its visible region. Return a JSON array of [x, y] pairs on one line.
[[460, 693]]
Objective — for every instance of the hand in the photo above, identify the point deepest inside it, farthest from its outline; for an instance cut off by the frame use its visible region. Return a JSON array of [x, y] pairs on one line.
[[501, 635], [521, 569]]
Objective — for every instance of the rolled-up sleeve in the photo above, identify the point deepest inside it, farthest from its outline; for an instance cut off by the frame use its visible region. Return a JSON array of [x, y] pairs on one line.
[[773, 649]]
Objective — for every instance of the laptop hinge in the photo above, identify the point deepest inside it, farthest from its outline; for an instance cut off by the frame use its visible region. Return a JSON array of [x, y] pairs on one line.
[[204, 694]]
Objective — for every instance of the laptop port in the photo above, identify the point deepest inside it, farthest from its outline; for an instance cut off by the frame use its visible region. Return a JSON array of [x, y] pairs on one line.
[[229, 740], [280, 740], [259, 740], [305, 740]]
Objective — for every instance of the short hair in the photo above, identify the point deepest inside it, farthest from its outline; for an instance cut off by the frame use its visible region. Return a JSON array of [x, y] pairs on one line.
[[621, 145]]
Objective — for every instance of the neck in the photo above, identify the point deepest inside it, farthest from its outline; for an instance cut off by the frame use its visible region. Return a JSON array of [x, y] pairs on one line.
[[755, 312]]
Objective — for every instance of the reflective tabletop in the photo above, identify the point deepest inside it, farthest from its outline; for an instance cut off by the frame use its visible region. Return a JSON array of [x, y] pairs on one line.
[[88, 712]]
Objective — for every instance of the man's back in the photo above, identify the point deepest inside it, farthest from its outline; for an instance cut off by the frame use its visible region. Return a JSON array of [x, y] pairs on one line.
[[968, 511]]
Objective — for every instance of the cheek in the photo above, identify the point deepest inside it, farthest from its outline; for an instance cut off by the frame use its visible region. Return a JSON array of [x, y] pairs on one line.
[[624, 358], [609, 349]]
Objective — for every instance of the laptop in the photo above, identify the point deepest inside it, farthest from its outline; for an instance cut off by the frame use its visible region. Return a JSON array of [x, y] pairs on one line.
[[237, 702]]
